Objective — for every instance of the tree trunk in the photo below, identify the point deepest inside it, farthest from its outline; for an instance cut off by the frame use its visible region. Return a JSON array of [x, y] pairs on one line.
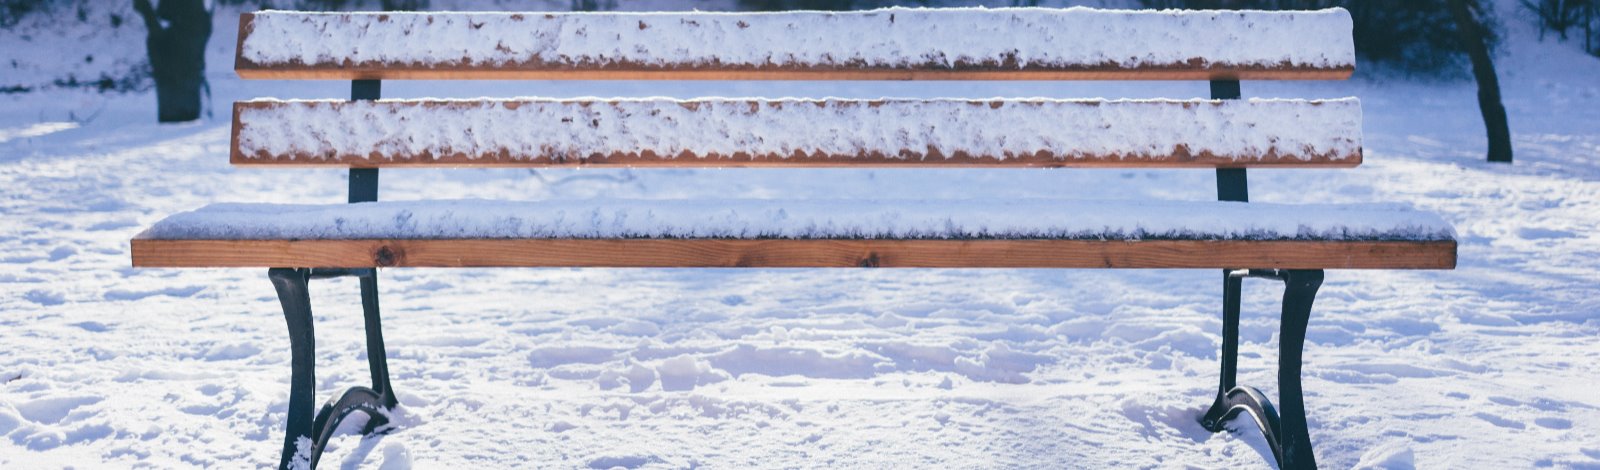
[[179, 30], [1588, 26], [1474, 39], [593, 5], [404, 5]]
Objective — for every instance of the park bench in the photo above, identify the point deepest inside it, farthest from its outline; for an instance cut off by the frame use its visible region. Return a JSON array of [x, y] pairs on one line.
[[1293, 244]]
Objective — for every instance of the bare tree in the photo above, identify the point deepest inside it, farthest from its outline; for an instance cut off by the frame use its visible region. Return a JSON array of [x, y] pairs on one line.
[[1557, 15], [1589, 26], [593, 5], [404, 5], [1474, 37], [1415, 37], [179, 30]]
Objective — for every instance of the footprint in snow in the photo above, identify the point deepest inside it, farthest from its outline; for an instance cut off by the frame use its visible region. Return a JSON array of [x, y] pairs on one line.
[[51, 410], [184, 292], [1501, 422], [628, 461]]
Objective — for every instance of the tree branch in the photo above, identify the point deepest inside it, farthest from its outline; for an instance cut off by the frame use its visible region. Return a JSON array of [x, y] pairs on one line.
[[148, 12]]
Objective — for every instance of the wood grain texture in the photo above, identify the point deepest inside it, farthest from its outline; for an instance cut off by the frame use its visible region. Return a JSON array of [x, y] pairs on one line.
[[252, 71], [557, 69], [726, 253], [1332, 150], [650, 159]]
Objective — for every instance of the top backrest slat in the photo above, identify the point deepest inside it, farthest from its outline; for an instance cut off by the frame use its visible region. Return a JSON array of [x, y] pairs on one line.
[[885, 44]]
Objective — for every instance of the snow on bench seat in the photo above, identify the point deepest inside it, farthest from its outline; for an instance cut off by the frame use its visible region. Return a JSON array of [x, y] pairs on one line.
[[804, 219], [827, 132], [891, 43], [687, 233]]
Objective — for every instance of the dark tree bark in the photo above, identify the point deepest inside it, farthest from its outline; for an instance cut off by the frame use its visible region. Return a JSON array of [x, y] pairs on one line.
[[1474, 38], [179, 30], [1588, 25], [593, 5], [780, 5], [404, 5]]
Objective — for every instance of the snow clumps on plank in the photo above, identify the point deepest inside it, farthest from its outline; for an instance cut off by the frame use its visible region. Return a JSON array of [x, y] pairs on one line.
[[751, 131], [804, 219], [949, 39]]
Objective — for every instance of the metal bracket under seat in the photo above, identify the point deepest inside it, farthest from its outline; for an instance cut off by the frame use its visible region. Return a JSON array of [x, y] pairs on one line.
[[307, 433], [1285, 426]]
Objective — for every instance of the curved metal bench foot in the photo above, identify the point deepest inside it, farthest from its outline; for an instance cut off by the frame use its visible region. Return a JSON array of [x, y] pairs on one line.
[[306, 433], [333, 412], [1283, 427], [1246, 400]]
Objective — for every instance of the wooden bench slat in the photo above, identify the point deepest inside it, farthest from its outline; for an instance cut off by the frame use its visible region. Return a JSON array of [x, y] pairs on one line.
[[723, 217], [620, 253], [1026, 74], [886, 44], [733, 232], [732, 132]]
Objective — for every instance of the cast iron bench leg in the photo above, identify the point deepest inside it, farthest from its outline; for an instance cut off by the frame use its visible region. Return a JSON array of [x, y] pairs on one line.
[[1285, 426], [307, 434]]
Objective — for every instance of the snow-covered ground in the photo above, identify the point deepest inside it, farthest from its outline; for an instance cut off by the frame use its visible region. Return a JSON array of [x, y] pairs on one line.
[[1492, 365]]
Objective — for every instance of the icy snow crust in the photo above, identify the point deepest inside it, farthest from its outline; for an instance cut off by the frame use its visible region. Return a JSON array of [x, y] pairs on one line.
[[540, 128], [900, 38], [803, 219]]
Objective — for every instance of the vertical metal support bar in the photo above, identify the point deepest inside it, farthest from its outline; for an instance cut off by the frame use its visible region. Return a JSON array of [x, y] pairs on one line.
[[1232, 184], [1300, 289], [365, 89], [364, 188], [1284, 426], [377, 357], [1225, 90], [363, 185], [364, 181], [1231, 291], [298, 444]]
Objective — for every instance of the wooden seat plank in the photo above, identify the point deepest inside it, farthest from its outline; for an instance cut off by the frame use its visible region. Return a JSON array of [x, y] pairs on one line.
[[744, 253], [903, 44], [737, 132]]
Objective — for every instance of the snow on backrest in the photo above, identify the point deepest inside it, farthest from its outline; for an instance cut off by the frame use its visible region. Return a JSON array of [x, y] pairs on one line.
[[709, 132], [891, 43]]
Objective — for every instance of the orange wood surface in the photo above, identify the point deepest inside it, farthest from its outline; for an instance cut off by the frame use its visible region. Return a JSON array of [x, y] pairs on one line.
[[1284, 254]]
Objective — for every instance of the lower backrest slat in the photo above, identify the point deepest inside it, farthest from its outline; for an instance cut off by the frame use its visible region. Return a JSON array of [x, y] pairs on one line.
[[799, 132]]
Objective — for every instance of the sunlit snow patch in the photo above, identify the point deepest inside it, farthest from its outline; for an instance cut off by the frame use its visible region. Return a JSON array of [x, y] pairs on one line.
[[36, 130]]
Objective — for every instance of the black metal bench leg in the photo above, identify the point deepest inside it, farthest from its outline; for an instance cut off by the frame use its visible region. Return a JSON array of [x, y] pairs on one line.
[[1300, 289], [377, 356], [306, 433], [1283, 427], [292, 293]]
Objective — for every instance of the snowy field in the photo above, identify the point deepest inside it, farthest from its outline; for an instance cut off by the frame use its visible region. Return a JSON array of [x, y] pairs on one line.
[[1492, 365]]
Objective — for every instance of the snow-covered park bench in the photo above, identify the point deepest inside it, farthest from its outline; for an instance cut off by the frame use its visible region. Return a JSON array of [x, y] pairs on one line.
[[1290, 243]]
